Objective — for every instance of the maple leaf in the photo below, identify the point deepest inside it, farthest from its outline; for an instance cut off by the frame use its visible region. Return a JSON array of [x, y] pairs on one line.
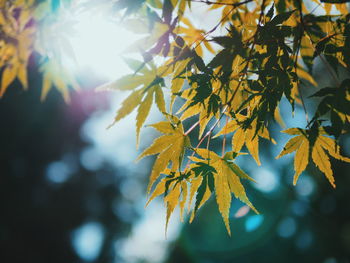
[[245, 137], [227, 180], [170, 147], [146, 84], [194, 36], [17, 35], [56, 75], [175, 189], [202, 183], [301, 144]]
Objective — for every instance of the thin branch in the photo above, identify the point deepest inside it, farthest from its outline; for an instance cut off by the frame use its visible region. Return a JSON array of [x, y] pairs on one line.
[[192, 127], [224, 140], [220, 3], [234, 6], [296, 61]]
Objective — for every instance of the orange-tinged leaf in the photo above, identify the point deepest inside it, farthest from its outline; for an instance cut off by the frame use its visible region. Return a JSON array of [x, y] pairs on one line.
[[278, 118], [331, 146], [207, 154], [231, 126], [159, 98], [170, 148], [238, 140], [303, 74], [159, 190], [293, 131], [239, 172], [321, 160], [182, 7], [163, 127], [159, 145], [226, 180], [159, 166], [183, 199], [203, 121], [238, 190], [301, 159], [191, 111], [223, 193], [171, 200], [252, 145]]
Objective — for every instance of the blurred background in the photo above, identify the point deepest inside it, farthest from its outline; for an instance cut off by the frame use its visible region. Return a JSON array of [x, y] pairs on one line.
[[70, 190]]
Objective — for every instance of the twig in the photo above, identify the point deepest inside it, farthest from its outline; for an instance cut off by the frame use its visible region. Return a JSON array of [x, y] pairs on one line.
[[296, 62], [220, 3], [224, 140], [234, 6]]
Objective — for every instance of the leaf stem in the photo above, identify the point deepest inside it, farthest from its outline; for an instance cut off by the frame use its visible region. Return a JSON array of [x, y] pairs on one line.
[[224, 140]]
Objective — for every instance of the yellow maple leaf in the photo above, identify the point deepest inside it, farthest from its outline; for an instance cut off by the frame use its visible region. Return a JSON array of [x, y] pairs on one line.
[[301, 145], [170, 148], [17, 37], [174, 187], [227, 181], [245, 137], [145, 83]]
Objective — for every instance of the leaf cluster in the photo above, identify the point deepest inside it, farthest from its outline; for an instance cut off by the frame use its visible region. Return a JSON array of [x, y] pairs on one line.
[[233, 75]]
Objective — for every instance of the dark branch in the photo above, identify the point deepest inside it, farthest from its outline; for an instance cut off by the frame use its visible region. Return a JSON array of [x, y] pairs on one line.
[[217, 3]]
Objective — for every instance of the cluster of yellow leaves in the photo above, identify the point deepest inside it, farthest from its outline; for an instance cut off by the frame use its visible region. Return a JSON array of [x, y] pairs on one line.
[[21, 26], [194, 37], [53, 41], [145, 85], [183, 185], [227, 181], [181, 6], [56, 75], [174, 39], [245, 137], [16, 41], [303, 147], [227, 178]]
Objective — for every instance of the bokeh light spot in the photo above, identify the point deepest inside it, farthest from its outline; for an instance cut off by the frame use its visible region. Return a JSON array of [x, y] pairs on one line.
[[253, 222], [91, 159], [57, 172], [267, 181], [305, 186], [304, 240], [287, 227], [87, 240], [330, 260]]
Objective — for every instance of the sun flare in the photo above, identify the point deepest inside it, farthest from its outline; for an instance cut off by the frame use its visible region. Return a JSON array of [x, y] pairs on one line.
[[91, 41]]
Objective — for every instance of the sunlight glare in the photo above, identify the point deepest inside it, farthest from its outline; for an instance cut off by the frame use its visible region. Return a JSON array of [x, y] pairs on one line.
[[98, 43]]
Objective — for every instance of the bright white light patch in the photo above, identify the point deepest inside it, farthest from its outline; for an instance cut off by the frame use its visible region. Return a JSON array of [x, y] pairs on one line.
[[98, 41]]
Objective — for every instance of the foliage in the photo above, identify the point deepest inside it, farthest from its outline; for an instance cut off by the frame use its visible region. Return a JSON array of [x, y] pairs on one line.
[[234, 75]]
